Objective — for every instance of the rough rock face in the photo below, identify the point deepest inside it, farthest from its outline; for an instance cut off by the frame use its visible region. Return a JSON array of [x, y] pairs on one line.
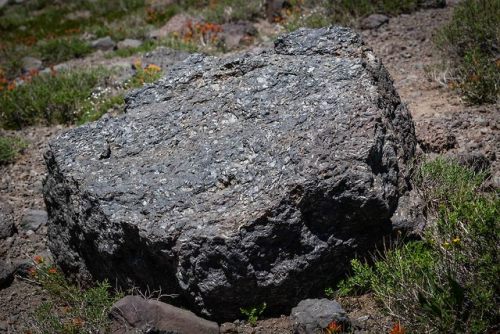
[[236, 181]]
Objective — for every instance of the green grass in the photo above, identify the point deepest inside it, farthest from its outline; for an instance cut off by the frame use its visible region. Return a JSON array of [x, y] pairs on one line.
[[448, 281], [48, 99], [469, 43], [55, 51], [70, 309], [10, 147]]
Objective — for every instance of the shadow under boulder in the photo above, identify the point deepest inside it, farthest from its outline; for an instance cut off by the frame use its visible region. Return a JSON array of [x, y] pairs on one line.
[[236, 181]]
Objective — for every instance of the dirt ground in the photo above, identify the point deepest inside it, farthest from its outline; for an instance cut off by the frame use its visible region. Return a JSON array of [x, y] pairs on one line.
[[444, 124]]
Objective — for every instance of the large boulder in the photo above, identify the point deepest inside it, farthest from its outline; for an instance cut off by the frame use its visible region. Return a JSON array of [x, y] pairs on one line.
[[236, 181]]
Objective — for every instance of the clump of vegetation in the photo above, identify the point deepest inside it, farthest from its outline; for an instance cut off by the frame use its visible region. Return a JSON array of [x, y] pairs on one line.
[[470, 45], [10, 147], [57, 50], [51, 98], [448, 281], [143, 75], [70, 309], [253, 313]]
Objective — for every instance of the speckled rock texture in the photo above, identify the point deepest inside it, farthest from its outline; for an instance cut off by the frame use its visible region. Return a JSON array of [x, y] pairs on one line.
[[236, 181]]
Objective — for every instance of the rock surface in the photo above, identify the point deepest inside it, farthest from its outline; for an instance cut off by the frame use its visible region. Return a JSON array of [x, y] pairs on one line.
[[374, 21], [129, 43], [7, 227], [312, 316], [104, 44], [133, 314], [33, 219], [6, 274], [31, 64], [236, 181]]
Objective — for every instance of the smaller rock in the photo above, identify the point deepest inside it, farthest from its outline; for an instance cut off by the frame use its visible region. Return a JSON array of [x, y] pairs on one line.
[[374, 21], [7, 227], [33, 219], [129, 44], [31, 64], [133, 313], [6, 274], [3, 3], [228, 328], [104, 44], [311, 316]]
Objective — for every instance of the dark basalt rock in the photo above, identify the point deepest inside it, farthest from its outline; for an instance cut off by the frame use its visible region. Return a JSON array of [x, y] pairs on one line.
[[236, 181]]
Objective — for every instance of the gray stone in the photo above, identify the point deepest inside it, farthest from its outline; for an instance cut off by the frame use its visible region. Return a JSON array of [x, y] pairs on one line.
[[6, 274], [133, 314], [236, 181], [104, 44], [374, 21], [312, 316], [164, 57], [31, 64], [33, 219], [3, 3], [7, 227], [129, 43]]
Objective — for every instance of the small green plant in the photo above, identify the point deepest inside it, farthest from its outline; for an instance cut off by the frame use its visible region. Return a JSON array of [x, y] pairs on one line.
[[10, 147], [253, 313], [143, 75], [70, 310], [359, 282], [469, 44], [57, 50]]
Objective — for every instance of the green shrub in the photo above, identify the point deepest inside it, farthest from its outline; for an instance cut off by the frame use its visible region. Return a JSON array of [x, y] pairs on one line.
[[47, 98], [253, 313], [10, 147], [469, 43], [448, 282], [70, 309], [58, 50]]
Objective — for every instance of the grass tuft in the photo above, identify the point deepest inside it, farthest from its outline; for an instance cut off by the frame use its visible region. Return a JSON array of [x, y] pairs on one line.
[[469, 43], [447, 282], [10, 147]]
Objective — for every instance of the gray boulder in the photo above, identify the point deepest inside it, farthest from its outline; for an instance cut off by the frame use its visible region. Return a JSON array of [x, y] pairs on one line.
[[7, 227], [29, 64], [312, 316], [33, 219], [104, 44], [374, 21], [134, 314], [129, 43], [236, 181], [6, 274]]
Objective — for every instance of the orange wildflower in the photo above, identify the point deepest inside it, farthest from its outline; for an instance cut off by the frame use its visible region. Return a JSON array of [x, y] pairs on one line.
[[38, 259], [52, 270], [11, 86], [32, 272], [333, 327], [397, 329]]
